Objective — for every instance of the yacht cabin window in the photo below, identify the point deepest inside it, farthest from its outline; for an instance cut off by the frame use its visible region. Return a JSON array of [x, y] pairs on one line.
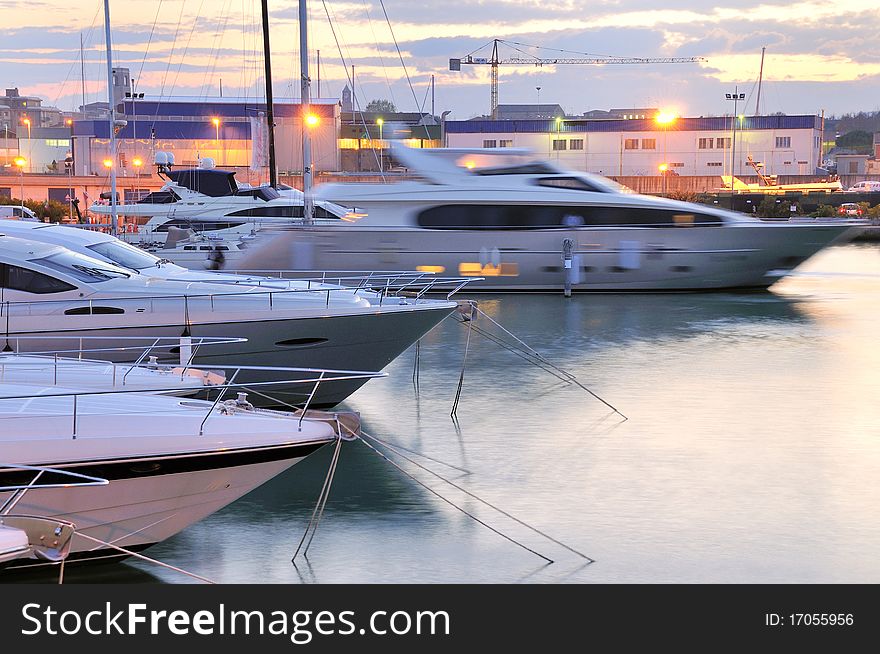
[[570, 183], [526, 216], [17, 278], [125, 255], [81, 267]]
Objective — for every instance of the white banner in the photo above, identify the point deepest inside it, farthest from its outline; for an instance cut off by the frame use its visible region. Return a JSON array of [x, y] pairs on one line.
[[259, 142]]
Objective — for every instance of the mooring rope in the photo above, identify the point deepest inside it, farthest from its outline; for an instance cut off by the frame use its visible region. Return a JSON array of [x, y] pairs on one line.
[[455, 506], [145, 558], [479, 499], [325, 491], [467, 346], [528, 353]]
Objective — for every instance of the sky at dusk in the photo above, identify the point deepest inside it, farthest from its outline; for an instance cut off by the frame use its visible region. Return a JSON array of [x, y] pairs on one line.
[[820, 55]]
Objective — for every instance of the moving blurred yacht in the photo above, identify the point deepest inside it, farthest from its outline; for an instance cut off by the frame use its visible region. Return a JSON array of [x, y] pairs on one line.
[[523, 224]]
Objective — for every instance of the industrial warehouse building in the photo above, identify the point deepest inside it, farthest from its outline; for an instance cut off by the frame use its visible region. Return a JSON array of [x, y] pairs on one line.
[[786, 145], [231, 131]]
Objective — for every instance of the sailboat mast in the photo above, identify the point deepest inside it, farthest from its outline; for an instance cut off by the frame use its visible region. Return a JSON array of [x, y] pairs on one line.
[[760, 80], [114, 218], [270, 114], [308, 202]]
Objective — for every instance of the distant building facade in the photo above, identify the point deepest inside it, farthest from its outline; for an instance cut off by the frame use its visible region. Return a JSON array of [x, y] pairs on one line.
[[785, 145], [231, 131]]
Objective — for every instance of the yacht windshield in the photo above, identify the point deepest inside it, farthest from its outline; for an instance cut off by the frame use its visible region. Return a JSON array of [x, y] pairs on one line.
[[125, 255], [81, 267]]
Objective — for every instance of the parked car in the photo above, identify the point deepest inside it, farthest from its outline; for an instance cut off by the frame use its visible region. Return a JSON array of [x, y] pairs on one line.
[[865, 187], [17, 212], [850, 209]]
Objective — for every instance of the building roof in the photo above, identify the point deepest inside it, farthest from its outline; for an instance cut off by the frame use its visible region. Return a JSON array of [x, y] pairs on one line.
[[718, 123]]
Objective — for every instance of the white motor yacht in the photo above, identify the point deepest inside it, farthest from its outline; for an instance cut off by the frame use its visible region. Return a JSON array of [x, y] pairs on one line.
[[169, 461], [51, 291], [523, 224], [208, 199]]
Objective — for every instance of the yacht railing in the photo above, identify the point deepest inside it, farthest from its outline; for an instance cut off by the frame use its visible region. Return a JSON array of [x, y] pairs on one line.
[[405, 288], [120, 371], [313, 377], [68, 480]]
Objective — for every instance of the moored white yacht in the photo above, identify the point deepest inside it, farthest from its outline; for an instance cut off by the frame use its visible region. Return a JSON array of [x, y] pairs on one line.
[[48, 290], [169, 461], [208, 199], [513, 219]]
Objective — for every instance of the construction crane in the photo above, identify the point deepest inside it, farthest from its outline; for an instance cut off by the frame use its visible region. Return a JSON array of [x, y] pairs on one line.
[[494, 61]]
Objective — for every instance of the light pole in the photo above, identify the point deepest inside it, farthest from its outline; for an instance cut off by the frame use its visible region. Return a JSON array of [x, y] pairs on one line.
[[558, 126], [20, 162], [736, 96], [380, 122], [137, 162], [27, 121], [665, 120], [216, 122]]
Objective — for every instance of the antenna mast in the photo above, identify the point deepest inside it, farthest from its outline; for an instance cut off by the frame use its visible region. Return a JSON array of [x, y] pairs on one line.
[[270, 116]]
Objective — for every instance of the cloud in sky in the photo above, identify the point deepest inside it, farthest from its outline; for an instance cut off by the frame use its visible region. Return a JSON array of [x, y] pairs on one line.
[[820, 54]]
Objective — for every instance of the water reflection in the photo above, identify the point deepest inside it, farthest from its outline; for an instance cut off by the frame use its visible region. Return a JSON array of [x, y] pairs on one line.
[[750, 454]]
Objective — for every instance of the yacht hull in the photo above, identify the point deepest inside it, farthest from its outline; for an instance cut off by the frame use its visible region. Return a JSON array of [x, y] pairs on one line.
[[366, 341], [151, 499], [747, 256]]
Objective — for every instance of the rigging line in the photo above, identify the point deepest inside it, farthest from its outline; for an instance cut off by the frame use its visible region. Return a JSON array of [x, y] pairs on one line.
[[588, 54], [379, 51], [355, 105], [455, 506], [145, 558], [485, 45], [75, 60], [215, 48], [403, 63], [168, 67], [186, 48], [480, 499], [149, 42]]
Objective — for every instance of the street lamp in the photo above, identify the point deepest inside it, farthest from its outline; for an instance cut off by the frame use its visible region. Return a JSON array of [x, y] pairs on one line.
[[736, 96], [216, 122], [20, 162], [380, 122], [665, 119], [27, 121], [137, 162]]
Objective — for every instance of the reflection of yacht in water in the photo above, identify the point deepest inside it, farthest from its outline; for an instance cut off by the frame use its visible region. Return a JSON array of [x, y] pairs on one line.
[[510, 217], [207, 199]]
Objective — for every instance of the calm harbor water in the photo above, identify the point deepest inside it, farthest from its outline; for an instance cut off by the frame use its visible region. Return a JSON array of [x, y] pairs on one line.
[[751, 453]]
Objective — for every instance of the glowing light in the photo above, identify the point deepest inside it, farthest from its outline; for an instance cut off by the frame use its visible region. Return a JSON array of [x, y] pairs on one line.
[[663, 168], [27, 121], [137, 162], [69, 122], [215, 122], [108, 163], [469, 164], [20, 162], [665, 118], [431, 269], [312, 120], [380, 122], [474, 269]]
